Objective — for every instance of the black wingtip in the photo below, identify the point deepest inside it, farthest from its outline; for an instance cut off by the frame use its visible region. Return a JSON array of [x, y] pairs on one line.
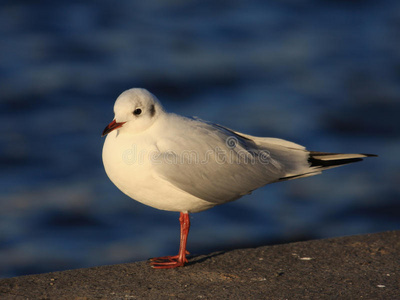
[[331, 163], [316, 159], [370, 155]]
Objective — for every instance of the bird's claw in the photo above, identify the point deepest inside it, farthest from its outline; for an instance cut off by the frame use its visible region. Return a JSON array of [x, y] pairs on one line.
[[169, 262]]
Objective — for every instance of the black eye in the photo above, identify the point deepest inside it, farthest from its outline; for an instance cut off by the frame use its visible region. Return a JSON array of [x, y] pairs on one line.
[[137, 111]]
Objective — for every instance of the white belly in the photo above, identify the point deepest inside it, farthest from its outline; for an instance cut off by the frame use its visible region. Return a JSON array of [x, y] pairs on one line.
[[129, 165]]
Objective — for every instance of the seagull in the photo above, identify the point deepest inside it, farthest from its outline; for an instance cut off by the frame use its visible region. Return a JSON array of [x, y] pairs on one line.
[[188, 165]]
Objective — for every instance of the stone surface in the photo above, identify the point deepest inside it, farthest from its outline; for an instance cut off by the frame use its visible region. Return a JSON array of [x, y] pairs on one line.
[[355, 267]]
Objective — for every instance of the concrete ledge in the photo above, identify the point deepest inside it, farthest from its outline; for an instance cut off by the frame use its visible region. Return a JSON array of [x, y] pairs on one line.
[[366, 266]]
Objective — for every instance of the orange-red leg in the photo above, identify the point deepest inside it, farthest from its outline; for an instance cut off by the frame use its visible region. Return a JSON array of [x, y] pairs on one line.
[[169, 262]]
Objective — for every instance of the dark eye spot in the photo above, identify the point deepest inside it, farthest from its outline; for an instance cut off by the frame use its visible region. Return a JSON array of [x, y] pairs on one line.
[[152, 110], [137, 111]]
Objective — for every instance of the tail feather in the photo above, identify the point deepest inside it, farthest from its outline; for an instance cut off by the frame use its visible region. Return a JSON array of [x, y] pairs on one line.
[[320, 161], [324, 160]]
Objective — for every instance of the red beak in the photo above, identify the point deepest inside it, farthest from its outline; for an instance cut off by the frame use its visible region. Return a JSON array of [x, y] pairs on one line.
[[110, 127]]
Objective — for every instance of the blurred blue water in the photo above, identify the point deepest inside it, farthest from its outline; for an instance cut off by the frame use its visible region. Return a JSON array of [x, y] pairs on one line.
[[325, 74]]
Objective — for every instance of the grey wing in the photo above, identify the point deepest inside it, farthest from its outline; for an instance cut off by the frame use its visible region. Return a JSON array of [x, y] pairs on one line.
[[218, 165]]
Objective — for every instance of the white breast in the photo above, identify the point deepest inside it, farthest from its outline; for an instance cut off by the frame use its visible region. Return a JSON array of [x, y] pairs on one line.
[[129, 163]]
